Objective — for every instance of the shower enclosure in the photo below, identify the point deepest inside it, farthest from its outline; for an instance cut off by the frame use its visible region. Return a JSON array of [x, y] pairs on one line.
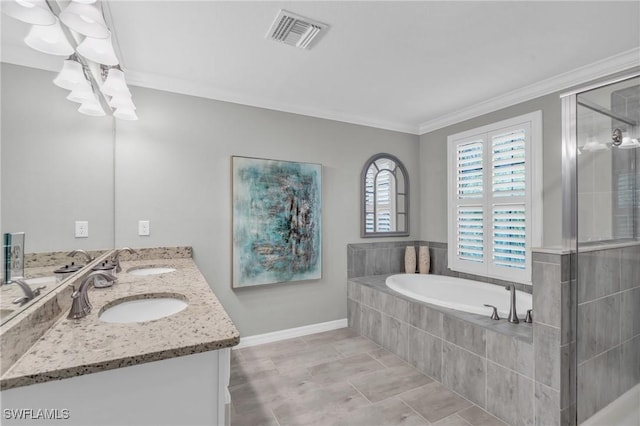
[[602, 229]]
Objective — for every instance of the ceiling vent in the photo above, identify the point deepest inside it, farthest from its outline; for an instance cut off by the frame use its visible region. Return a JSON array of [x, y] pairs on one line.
[[296, 30]]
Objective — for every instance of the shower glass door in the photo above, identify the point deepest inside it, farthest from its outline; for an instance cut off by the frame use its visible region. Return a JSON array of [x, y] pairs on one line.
[[608, 254]]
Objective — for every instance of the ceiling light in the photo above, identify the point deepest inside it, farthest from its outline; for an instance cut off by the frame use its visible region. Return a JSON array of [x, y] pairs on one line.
[[125, 114], [121, 102], [48, 39], [85, 19], [81, 93], [70, 75], [115, 84], [98, 50], [30, 11], [92, 107]]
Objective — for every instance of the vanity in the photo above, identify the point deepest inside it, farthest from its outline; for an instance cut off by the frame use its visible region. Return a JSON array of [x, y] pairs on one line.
[[139, 365]]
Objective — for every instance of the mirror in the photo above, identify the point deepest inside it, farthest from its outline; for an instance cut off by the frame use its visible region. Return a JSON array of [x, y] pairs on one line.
[[385, 197], [57, 167]]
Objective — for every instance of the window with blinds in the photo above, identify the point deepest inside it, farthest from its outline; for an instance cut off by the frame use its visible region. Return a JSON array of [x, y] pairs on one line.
[[491, 192]]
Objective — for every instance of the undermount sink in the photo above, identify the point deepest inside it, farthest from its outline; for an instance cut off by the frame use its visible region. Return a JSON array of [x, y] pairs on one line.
[[151, 270], [143, 309]]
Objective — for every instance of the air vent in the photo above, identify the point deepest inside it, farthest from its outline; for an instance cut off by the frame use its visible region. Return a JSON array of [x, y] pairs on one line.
[[296, 30]]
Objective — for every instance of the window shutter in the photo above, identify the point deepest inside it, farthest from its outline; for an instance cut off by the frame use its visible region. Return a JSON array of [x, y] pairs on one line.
[[509, 236], [470, 228], [508, 164], [469, 171]]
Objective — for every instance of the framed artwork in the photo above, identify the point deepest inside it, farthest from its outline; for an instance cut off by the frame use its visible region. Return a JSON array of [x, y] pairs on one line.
[[277, 221]]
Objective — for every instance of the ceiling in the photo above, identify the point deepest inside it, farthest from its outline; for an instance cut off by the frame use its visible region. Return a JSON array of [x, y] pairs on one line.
[[408, 66]]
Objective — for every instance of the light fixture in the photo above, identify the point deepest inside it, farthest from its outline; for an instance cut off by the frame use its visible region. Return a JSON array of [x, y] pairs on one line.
[[85, 19], [90, 74], [92, 107], [115, 84], [125, 114], [30, 11], [98, 50], [70, 75], [48, 39], [82, 92]]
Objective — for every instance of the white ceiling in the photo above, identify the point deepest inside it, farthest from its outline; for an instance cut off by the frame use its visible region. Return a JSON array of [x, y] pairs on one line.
[[409, 66]]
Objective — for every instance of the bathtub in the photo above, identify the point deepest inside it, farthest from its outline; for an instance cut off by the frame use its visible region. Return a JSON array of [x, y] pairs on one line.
[[457, 293]]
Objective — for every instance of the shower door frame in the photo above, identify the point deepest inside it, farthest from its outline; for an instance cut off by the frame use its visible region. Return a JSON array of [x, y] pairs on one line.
[[569, 109]]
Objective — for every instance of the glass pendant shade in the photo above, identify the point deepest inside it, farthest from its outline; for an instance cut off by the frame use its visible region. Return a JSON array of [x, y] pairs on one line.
[[125, 114], [48, 39], [35, 12], [121, 102], [70, 76], [115, 84], [98, 50], [81, 93], [85, 19], [92, 107]]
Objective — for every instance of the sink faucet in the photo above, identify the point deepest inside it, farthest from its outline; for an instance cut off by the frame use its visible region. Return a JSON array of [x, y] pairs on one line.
[[80, 307], [513, 315], [82, 252], [29, 293], [116, 257]]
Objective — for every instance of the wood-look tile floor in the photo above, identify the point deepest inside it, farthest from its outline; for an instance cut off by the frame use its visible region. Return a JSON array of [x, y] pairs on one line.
[[339, 378]]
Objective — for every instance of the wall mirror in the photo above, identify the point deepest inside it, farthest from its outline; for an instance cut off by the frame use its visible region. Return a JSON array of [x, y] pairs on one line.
[[57, 167], [385, 197]]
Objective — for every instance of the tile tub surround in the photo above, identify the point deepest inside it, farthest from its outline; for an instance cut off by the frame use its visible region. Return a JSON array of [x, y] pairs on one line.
[[76, 347], [339, 378], [608, 327], [380, 258], [491, 363]]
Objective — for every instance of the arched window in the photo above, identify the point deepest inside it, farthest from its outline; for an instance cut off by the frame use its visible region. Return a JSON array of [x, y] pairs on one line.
[[385, 197]]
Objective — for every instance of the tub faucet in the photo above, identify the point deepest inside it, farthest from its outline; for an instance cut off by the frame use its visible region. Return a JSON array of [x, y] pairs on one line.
[[513, 315], [80, 307], [29, 293], [82, 252], [116, 257]]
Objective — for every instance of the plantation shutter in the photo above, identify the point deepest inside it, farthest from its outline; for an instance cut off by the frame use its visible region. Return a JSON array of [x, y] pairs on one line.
[[380, 192]]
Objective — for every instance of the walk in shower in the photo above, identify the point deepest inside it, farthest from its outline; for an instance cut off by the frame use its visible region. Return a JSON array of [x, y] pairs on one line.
[[602, 227]]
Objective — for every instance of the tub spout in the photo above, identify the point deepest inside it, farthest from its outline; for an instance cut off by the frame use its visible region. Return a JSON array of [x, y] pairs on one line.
[[513, 315]]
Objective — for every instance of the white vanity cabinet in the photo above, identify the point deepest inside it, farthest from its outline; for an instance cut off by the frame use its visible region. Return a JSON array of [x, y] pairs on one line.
[[186, 390]]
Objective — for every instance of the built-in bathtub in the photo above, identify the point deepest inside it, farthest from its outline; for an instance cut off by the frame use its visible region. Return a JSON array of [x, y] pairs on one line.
[[458, 293]]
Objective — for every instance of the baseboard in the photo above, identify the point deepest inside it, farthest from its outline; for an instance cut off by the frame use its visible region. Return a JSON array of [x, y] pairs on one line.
[[290, 333]]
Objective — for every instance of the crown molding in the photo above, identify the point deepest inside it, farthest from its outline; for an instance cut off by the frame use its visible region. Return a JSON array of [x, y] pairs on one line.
[[582, 75], [160, 82]]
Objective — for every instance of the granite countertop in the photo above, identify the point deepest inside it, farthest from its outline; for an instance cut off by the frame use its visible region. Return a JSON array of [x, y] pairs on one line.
[[87, 345]]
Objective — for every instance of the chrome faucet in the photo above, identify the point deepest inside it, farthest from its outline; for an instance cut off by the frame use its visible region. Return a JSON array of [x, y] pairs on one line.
[[116, 257], [80, 307], [29, 293], [513, 315], [82, 252]]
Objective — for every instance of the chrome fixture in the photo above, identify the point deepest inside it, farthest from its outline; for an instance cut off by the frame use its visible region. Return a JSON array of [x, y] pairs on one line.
[[528, 319], [76, 29], [616, 137], [116, 257], [29, 293], [81, 307], [513, 315], [82, 252], [494, 314]]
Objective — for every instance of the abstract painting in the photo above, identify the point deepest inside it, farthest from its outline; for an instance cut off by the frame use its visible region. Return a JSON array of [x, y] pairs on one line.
[[277, 226]]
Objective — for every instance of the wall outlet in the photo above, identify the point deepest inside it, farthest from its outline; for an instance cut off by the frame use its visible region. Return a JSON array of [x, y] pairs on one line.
[[82, 229], [143, 228]]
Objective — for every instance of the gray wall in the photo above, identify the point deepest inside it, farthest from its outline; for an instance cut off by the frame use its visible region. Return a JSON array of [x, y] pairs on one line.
[[173, 168], [433, 168], [57, 165]]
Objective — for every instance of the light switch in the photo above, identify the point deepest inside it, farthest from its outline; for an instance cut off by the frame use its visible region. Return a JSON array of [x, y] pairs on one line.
[[143, 228]]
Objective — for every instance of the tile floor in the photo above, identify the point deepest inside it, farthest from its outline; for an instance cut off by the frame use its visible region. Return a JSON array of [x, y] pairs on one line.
[[339, 378]]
